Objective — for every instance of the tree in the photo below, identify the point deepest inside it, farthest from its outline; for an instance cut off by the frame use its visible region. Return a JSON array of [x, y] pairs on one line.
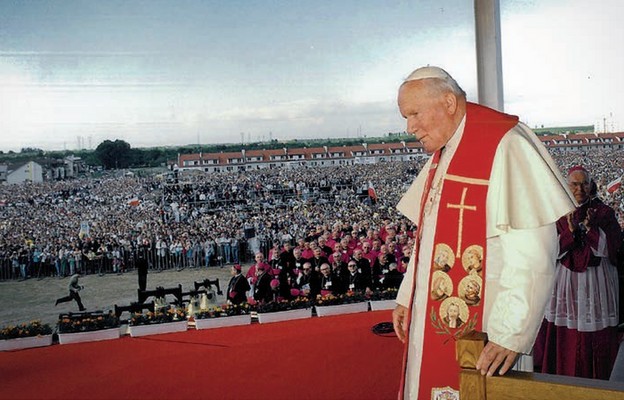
[[114, 155], [31, 150]]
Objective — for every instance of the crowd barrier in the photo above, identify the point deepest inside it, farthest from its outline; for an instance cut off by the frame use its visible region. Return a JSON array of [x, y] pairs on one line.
[[106, 264]]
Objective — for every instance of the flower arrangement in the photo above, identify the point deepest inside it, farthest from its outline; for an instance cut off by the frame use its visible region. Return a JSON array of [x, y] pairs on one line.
[[87, 322], [157, 317], [226, 310], [32, 328], [388, 294], [284, 305], [328, 300], [334, 300], [354, 297]]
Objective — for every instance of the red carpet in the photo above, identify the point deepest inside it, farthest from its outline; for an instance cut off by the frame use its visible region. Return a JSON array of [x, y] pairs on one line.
[[318, 358]]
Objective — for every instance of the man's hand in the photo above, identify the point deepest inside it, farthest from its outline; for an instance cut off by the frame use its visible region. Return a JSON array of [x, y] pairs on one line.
[[493, 356], [589, 219], [399, 319], [571, 226]]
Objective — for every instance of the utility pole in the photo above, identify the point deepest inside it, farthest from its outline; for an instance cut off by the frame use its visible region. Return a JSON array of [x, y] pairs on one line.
[[489, 58]]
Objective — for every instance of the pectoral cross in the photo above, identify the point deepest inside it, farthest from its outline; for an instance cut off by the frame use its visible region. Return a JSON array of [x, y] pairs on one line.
[[461, 206]]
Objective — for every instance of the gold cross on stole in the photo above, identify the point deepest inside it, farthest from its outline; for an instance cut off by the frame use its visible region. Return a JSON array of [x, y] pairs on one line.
[[461, 206]]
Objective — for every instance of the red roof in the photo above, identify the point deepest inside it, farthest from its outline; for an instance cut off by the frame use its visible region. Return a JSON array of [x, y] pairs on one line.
[[307, 151], [349, 151]]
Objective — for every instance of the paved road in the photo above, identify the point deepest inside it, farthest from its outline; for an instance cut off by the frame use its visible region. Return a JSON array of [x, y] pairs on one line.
[[23, 301]]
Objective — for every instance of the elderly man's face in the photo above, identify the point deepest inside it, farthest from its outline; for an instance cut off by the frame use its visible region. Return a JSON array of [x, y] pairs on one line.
[[430, 116], [579, 184]]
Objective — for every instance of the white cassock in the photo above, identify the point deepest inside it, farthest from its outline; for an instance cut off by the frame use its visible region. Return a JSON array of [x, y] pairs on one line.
[[526, 196]]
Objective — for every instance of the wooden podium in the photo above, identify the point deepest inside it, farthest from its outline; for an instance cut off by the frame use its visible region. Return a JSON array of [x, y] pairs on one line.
[[516, 385]]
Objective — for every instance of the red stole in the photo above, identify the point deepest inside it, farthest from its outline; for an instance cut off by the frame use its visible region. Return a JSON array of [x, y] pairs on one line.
[[454, 306]]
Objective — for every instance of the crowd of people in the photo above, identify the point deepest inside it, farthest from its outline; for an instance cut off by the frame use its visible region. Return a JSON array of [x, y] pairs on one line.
[[97, 226]]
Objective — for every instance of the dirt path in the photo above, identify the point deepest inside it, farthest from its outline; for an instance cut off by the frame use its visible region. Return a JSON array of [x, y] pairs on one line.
[[23, 301]]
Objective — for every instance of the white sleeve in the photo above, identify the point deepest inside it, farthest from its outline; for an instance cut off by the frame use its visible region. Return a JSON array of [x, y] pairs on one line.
[[516, 295], [409, 205]]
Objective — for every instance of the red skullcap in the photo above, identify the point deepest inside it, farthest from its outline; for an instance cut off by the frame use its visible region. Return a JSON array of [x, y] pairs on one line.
[[577, 168]]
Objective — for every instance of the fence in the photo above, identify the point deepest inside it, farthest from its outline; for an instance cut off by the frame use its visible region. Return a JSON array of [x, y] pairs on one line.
[[15, 269]]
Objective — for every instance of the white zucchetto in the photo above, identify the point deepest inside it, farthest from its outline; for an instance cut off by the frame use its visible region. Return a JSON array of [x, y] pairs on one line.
[[428, 72]]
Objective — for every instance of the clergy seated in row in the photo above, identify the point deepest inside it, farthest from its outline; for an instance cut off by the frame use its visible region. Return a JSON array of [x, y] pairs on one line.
[[327, 281]]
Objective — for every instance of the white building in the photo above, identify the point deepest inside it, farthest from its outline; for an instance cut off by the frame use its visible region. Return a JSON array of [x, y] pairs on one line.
[[28, 172]]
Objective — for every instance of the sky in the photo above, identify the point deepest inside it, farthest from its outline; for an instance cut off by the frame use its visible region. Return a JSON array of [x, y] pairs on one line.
[[170, 73]]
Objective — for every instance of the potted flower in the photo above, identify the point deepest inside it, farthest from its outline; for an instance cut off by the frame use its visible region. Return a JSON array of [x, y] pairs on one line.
[[87, 327], [157, 322], [284, 310], [348, 303], [26, 335], [383, 300], [225, 315]]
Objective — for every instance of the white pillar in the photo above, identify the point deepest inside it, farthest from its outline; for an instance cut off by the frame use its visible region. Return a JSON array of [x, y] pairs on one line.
[[489, 59]]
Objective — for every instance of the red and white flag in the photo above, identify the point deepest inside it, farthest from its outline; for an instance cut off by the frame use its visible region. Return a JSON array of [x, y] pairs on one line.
[[614, 185], [371, 191], [134, 202]]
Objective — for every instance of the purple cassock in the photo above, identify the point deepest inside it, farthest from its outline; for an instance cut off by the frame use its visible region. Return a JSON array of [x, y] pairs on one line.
[[578, 336]]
